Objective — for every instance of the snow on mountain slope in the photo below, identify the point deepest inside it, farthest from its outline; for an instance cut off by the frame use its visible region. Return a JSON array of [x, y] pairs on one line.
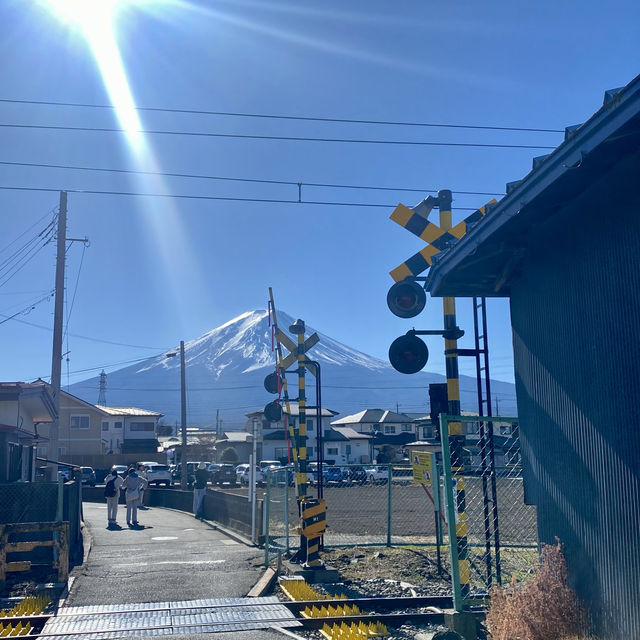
[[225, 369]]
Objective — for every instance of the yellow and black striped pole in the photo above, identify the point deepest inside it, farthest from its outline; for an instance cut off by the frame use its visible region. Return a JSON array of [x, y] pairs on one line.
[[312, 511], [456, 435]]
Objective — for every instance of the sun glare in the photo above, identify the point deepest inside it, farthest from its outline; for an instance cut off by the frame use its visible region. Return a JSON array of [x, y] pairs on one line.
[[96, 21]]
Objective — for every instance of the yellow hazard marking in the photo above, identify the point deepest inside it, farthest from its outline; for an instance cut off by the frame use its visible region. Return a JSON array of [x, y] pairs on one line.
[[401, 272], [463, 567], [401, 215], [308, 512]]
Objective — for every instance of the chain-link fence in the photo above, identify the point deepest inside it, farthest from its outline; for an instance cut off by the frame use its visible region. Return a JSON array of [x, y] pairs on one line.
[[364, 508], [28, 501]]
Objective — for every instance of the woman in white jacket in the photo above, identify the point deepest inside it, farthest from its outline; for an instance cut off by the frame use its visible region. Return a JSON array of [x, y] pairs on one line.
[[134, 485]]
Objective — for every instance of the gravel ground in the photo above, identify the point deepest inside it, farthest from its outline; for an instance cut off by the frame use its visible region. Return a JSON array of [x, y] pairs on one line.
[[382, 571]]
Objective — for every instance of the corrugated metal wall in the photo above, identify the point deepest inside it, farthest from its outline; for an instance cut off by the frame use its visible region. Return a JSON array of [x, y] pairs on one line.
[[576, 329]]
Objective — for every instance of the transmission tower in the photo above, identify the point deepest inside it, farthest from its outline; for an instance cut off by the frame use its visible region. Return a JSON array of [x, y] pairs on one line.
[[102, 396]]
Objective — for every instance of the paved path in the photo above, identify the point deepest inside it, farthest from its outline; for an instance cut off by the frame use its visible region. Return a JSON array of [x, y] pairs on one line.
[[173, 558]]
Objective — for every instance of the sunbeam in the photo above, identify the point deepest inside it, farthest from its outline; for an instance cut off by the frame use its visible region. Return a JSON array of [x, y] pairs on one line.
[[96, 21]]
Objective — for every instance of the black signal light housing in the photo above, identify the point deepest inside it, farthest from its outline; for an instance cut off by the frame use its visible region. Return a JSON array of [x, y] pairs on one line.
[[406, 299]]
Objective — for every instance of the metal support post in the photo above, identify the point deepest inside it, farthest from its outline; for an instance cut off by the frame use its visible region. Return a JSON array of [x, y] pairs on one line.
[[455, 431], [389, 498], [451, 509], [183, 420], [252, 482]]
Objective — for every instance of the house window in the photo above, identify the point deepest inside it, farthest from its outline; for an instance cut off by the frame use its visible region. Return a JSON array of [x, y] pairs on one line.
[[117, 425], [505, 430], [473, 428], [309, 425], [280, 453], [141, 426], [332, 451], [79, 422], [105, 426], [389, 428], [407, 427], [347, 449], [309, 453]]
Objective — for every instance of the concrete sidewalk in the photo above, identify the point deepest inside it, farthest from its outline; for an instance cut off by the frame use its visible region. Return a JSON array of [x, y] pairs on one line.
[[173, 558]]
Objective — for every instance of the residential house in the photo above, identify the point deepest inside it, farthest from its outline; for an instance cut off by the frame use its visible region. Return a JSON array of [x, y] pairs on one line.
[[275, 440], [240, 441], [129, 429], [87, 430], [24, 409], [389, 432]]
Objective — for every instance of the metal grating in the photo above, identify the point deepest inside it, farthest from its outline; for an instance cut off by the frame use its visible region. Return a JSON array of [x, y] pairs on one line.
[[149, 619]]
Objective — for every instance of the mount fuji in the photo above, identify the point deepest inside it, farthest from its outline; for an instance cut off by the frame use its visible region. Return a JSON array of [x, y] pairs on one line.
[[225, 369]]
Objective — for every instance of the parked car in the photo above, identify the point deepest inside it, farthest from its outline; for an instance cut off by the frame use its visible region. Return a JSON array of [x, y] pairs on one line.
[[331, 474], [312, 472], [356, 475], [378, 474], [191, 473], [264, 464], [65, 472], [243, 476], [88, 476], [158, 473], [221, 473], [121, 469]]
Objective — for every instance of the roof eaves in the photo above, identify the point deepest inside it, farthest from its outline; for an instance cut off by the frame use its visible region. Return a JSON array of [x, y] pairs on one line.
[[619, 106]]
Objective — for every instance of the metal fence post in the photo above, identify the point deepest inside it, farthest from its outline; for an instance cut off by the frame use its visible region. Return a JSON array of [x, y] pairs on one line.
[[267, 499], [286, 508], [389, 476], [451, 511]]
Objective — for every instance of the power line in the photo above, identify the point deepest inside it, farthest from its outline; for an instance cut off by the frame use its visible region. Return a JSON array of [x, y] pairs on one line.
[[239, 136], [17, 262], [236, 179], [28, 308], [77, 335], [24, 233], [288, 117], [221, 198]]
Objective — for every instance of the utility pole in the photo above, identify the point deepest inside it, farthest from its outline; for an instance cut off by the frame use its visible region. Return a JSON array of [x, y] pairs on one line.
[[183, 418], [56, 357]]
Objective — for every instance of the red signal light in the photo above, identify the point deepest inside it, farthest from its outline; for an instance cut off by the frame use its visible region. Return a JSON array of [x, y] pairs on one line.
[[406, 299], [408, 354]]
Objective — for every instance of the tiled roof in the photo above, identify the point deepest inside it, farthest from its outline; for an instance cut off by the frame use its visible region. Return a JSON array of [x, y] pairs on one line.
[[326, 413], [373, 416], [129, 411]]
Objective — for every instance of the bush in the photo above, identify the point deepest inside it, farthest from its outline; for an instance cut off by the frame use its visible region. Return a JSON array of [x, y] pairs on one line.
[[543, 608], [229, 455]]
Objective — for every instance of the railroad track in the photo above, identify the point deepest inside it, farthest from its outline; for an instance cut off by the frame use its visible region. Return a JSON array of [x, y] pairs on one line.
[[234, 614]]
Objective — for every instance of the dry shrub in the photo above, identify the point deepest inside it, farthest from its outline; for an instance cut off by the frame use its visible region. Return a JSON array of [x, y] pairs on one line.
[[542, 608]]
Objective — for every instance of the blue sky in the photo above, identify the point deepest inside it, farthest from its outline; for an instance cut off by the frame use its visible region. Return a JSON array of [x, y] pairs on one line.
[[159, 270]]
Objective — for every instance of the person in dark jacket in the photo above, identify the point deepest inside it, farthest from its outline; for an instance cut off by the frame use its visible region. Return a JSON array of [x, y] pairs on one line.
[[200, 489]]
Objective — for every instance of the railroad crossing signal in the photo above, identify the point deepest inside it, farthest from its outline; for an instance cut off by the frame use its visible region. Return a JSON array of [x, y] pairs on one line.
[[408, 354], [295, 350], [415, 220], [406, 299]]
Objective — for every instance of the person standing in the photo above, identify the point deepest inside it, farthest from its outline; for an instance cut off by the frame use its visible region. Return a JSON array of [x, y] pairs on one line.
[[112, 484], [134, 485], [200, 489], [142, 472]]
